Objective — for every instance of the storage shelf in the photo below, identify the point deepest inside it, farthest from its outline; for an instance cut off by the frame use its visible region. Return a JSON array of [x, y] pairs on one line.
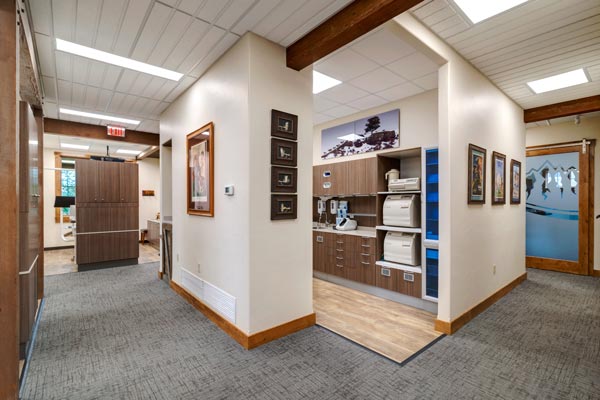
[[352, 215], [403, 267], [397, 229], [402, 192]]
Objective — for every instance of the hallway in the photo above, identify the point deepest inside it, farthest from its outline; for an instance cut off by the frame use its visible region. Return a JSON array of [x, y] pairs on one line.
[[121, 333]]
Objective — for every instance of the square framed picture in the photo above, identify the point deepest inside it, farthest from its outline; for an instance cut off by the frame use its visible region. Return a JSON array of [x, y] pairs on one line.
[[284, 125], [284, 152], [284, 180], [515, 182], [200, 171], [476, 178], [283, 206], [498, 178]]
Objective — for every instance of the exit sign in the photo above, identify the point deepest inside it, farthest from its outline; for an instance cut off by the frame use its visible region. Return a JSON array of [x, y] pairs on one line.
[[115, 131]]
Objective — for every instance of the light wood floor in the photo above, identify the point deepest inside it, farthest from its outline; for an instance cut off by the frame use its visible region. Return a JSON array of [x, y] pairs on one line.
[[60, 261], [386, 327]]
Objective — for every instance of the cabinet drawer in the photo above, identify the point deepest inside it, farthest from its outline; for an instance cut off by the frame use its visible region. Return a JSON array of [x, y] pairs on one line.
[[409, 283], [367, 245], [387, 278]]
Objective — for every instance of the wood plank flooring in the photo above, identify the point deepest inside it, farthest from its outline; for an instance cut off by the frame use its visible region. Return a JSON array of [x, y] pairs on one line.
[[386, 327]]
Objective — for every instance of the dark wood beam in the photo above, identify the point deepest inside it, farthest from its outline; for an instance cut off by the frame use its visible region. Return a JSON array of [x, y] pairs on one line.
[[353, 21], [9, 189], [89, 131], [564, 109]]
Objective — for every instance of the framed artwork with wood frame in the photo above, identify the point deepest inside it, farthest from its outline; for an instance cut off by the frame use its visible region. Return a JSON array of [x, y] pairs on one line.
[[498, 178], [200, 171], [476, 178], [283, 206], [515, 182], [284, 125], [284, 180], [283, 152]]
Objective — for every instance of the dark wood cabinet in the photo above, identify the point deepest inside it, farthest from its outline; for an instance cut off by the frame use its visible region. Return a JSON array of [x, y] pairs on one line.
[[362, 176], [387, 278], [128, 182], [108, 182], [86, 178], [358, 177]]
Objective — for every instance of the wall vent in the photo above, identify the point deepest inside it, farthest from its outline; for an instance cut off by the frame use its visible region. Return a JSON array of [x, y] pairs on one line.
[[217, 299]]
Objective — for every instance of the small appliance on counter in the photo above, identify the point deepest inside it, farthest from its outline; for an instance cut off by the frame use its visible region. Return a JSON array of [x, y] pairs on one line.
[[342, 211], [392, 175], [402, 248], [401, 210], [346, 224], [404, 184]]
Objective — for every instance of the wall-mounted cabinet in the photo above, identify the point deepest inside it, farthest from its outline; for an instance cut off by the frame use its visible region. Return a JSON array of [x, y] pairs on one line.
[[106, 182], [349, 178]]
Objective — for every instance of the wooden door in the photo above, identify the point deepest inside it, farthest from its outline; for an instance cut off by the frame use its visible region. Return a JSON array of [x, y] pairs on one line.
[[128, 182], [319, 252], [86, 181], [559, 205], [371, 175], [109, 182]]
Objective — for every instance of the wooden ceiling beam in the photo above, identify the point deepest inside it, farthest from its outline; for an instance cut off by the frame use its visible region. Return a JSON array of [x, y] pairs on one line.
[[353, 21], [89, 131], [564, 109]]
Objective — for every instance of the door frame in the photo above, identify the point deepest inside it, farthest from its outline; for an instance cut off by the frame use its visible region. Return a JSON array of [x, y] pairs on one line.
[[585, 263]]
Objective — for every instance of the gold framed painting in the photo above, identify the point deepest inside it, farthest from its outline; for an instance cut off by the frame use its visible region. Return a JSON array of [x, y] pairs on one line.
[[200, 171]]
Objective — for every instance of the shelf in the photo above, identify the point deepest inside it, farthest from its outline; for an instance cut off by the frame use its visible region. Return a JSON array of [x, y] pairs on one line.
[[402, 192], [403, 267], [334, 196], [352, 215], [397, 229]]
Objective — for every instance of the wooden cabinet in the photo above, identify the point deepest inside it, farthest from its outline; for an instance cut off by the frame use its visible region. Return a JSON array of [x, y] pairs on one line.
[[106, 182], [109, 182], [387, 278], [409, 283], [346, 178], [362, 176], [128, 182], [86, 178]]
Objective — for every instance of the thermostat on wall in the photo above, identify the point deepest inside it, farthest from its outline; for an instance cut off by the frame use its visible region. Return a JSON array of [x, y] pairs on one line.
[[228, 190]]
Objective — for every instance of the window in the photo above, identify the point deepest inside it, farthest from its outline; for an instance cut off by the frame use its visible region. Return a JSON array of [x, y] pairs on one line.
[[64, 183]]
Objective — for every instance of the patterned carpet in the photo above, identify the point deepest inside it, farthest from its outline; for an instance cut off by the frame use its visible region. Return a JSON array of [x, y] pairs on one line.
[[122, 334]]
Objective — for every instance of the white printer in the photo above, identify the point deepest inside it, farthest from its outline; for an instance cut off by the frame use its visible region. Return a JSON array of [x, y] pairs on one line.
[[404, 184], [402, 248], [402, 210]]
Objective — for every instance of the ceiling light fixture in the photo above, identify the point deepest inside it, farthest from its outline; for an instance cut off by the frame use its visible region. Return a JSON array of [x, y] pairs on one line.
[[98, 55], [98, 116], [478, 10], [68, 162], [560, 81], [74, 146], [125, 151], [322, 82]]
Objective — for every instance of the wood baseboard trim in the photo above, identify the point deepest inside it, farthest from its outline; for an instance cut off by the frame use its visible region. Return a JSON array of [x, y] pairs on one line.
[[246, 341], [451, 327], [596, 272], [160, 275]]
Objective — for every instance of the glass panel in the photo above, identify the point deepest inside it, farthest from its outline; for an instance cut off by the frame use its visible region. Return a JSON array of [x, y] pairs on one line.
[[432, 199], [431, 283], [552, 224]]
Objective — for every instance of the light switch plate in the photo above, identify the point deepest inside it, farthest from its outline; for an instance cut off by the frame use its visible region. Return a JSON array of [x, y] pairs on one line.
[[229, 189]]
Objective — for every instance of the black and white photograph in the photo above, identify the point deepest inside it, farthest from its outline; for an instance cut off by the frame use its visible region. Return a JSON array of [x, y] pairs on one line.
[[283, 152], [283, 180], [283, 207], [284, 125]]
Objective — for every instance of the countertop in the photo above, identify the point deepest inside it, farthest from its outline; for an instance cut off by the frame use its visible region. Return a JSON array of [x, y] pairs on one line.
[[361, 231]]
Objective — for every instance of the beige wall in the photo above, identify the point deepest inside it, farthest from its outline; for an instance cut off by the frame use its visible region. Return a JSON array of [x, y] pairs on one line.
[[418, 125], [473, 238], [149, 179], [589, 128]]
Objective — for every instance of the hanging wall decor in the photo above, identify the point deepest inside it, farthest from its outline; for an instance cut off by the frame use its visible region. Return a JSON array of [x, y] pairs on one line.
[[200, 171], [283, 152], [498, 178], [283, 180], [284, 125], [284, 159], [283, 207], [515, 182], [476, 178]]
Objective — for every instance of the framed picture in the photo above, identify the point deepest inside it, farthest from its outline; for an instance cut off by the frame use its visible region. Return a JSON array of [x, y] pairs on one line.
[[284, 125], [515, 182], [283, 206], [498, 178], [283, 152], [200, 171], [284, 180], [477, 159]]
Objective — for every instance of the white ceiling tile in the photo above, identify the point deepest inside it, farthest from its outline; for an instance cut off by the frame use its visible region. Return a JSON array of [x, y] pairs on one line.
[[111, 77], [170, 38], [41, 16], [148, 125], [297, 19], [202, 48], [165, 89], [160, 108], [127, 104], [233, 13], [78, 94], [439, 16], [91, 97], [221, 47], [189, 6], [345, 65], [45, 47], [96, 73], [149, 108], [138, 106], [104, 99], [80, 70], [277, 16], [171, 3], [343, 93], [50, 110], [64, 64], [367, 102], [401, 91], [140, 84], [341, 111], [413, 66], [321, 118], [127, 79], [64, 92], [428, 82], [152, 87], [211, 10], [377, 80], [383, 47], [87, 21], [152, 31], [108, 27], [134, 17], [115, 102], [253, 17], [63, 12], [49, 88], [184, 46], [321, 103]]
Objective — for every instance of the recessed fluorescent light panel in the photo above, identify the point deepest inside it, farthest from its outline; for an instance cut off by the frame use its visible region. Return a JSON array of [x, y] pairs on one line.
[[125, 151], [479, 10], [98, 116], [74, 146], [322, 82], [559, 81], [98, 55]]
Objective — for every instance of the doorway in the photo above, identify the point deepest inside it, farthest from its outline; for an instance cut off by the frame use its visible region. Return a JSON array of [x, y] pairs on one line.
[[559, 202]]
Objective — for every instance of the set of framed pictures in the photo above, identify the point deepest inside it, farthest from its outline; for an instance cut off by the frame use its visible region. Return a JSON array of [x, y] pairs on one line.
[[284, 160], [477, 177]]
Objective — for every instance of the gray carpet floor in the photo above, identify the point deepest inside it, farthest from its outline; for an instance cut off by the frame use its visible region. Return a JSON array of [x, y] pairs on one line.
[[123, 334]]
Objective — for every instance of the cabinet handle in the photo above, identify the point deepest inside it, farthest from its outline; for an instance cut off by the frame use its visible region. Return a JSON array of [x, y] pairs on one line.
[[365, 245], [338, 265], [364, 254], [339, 258], [364, 263], [339, 250], [340, 242]]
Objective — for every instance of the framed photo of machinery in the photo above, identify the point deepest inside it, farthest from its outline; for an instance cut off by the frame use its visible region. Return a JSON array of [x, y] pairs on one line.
[[284, 125], [200, 171], [284, 180], [283, 207], [283, 152]]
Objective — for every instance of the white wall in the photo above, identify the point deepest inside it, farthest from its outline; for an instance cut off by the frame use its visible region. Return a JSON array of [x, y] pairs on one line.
[[473, 238], [265, 265], [149, 179], [418, 125], [51, 227], [589, 128]]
